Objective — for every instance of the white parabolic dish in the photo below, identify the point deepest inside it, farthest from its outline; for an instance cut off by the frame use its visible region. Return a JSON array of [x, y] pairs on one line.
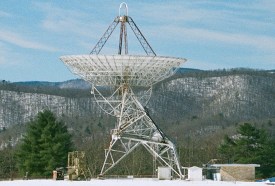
[[114, 70]]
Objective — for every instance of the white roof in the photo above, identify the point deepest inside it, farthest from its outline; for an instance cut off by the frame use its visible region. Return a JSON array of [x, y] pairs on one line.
[[112, 70], [194, 168], [235, 165]]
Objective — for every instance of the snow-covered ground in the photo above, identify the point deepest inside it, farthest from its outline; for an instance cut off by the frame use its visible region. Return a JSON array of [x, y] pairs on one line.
[[126, 182]]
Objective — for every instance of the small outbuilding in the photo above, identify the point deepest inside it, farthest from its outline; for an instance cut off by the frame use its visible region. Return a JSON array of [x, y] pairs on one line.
[[195, 173], [164, 173], [236, 172]]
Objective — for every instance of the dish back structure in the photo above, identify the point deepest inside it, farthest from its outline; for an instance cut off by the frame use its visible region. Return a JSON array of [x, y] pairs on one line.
[[121, 74]]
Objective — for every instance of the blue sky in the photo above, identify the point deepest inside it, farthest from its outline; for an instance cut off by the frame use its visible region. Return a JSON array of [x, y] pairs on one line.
[[210, 34]]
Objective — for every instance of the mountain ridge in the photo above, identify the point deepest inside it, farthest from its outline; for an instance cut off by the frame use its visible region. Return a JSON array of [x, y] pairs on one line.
[[194, 102]]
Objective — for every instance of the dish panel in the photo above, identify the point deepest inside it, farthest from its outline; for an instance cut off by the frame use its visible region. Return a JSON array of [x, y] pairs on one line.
[[113, 70]]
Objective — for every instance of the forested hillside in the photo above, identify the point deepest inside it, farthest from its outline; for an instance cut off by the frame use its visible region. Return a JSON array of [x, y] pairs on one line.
[[195, 108], [189, 96]]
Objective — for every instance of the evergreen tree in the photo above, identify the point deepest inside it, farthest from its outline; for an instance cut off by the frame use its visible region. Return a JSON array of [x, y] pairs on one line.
[[251, 146], [44, 147], [7, 163]]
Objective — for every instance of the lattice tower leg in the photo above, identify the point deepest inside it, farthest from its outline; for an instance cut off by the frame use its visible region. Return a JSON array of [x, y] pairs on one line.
[[134, 127]]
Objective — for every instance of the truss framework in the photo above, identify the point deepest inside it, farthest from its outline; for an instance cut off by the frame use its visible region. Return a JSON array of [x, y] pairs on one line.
[[135, 128], [123, 35], [121, 73]]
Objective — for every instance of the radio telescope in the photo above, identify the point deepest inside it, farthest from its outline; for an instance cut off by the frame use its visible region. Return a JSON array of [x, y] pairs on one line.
[[122, 74]]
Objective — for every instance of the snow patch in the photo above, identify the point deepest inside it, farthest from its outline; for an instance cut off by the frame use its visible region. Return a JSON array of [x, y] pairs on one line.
[[126, 182]]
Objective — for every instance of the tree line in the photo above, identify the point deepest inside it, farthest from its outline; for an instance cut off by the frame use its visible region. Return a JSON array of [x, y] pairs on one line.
[[48, 140]]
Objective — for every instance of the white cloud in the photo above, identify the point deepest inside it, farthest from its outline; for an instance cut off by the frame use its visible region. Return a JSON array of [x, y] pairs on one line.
[[4, 14], [229, 16], [2, 54], [18, 40], [181, 34], [8, 57], [61, 20], [181, 19]]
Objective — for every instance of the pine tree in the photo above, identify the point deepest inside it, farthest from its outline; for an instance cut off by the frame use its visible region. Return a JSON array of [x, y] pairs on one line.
[[251, 146], [44, 147]]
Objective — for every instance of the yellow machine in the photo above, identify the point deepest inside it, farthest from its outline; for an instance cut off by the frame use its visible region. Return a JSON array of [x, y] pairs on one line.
[[77, 166]]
